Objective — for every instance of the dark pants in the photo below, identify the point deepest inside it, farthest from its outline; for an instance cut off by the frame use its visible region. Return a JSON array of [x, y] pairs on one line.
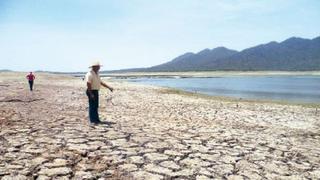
[[93, 106], [31, 85]]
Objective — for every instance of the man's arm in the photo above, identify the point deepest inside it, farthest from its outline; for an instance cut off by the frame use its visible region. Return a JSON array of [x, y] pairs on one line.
[[105, 85]]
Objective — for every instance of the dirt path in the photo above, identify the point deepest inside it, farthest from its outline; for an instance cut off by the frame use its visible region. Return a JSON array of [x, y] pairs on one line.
[[149, 134]]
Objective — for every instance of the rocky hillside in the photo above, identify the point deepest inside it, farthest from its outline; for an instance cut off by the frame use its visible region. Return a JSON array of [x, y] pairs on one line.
[[293, 54]]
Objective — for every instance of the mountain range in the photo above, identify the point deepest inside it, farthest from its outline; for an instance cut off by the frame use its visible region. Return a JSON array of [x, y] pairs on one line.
[[293, 54]]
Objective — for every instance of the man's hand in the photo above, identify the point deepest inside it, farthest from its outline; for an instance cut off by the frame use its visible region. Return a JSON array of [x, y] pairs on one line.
[[106, 86]]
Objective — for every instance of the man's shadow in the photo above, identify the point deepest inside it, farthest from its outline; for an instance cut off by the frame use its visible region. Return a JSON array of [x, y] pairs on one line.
[[109, 123]]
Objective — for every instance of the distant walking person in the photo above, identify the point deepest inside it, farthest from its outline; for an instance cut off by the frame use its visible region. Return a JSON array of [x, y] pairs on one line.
[[93, 86], [31, 78]]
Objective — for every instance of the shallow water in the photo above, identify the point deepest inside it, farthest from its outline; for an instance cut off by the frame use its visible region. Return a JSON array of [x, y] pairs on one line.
[[305, 89]]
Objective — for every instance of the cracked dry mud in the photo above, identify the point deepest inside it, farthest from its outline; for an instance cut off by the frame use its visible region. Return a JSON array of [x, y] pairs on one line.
[[150, 133]]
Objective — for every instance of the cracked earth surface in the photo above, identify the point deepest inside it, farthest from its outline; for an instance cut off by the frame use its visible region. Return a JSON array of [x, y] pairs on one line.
[[150, 133]]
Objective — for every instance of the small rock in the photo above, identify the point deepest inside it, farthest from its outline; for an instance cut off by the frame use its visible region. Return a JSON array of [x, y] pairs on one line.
[[192, 141], [158, 169], [185, 172], [205, 172], [55, 171], [119, 142], [156, 157], [136, 159], [228, 159], [170, 164], [172, 153], [128, 167], [156, 145], [34, 151], [201, 177], [56, 163], [210, 157], [39, 160], [223, 169], [14, 177], [15, 167], [235, 177], [146, 175], [196, 162], [83, 175], [278, 169], [199, 148], [77, 141], [42, 177]]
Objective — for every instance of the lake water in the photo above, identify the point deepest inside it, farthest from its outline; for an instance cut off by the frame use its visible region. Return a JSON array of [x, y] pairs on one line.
[[305, 89]]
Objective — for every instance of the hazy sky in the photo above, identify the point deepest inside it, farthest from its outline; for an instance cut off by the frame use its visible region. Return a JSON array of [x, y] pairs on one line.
[[66, 35]]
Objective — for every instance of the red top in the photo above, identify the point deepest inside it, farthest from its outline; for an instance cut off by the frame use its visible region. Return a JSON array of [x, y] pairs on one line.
[[30, 77]]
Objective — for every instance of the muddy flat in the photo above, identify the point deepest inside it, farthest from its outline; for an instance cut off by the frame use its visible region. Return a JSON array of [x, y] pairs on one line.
[[150, 133]]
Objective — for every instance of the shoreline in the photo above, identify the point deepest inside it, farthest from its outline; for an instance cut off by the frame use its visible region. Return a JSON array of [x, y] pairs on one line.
[[172, 90], [189, 93], [202, 74]]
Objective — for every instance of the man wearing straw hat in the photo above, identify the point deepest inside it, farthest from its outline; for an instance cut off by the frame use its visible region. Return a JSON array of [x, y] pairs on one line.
[[93, 86]]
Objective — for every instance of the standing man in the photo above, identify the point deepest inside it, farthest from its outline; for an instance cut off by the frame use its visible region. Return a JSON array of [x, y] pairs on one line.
[[93, 86], [31, 78]]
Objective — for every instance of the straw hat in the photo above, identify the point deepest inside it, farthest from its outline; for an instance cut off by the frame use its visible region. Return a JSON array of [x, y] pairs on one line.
[[95, 63]]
